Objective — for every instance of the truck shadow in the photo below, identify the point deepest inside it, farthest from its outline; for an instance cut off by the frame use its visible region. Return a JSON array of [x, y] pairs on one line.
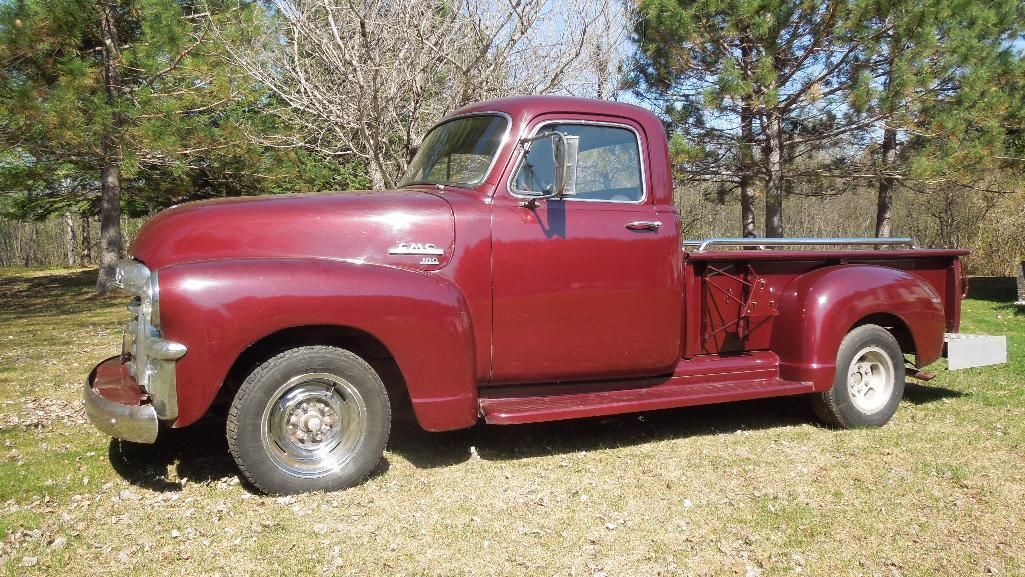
[[511, 442], [199, 453], [196, 454], [917, 394]]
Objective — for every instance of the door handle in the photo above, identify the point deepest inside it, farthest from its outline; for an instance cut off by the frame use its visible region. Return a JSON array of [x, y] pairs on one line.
[[644, 225]]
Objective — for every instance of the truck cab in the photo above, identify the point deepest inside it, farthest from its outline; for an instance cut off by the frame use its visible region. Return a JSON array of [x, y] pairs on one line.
[[528, 267]]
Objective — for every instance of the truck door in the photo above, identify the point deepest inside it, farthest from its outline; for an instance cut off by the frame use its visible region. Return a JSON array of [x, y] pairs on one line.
[[583, 287]]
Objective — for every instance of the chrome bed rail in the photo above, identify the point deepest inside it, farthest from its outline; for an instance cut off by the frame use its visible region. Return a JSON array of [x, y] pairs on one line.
[[765, 243]]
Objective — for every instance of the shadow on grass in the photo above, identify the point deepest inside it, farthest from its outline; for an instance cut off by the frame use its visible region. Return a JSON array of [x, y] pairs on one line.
[[199, 453], [59, 293], [996, 289], [917, 394], [195, 454], [993, 288], [511, 442]]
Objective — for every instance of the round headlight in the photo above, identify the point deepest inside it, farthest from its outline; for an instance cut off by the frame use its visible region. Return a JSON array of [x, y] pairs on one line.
[[132, 276]]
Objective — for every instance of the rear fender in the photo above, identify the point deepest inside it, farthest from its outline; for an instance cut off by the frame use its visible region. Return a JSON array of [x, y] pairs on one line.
[[817, 309], [220, 308]]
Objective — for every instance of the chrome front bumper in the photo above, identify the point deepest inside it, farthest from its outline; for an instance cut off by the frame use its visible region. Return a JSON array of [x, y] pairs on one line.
[[117, 406]]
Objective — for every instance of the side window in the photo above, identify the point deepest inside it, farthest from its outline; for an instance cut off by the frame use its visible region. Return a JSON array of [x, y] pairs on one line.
[[608, 165]]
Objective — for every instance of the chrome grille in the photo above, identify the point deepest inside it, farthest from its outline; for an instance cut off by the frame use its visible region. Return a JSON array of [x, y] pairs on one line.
[[148, 358]]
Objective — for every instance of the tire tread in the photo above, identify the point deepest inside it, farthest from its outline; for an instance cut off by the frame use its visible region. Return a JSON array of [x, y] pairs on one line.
[[829, 406], [252, 383]]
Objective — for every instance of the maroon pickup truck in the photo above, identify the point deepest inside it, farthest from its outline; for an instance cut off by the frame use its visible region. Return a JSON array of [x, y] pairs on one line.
[[528, 268]]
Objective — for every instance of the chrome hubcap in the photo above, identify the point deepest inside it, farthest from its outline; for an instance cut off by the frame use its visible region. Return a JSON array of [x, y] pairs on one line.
[[314, 424], [310, 423], [870, 379]]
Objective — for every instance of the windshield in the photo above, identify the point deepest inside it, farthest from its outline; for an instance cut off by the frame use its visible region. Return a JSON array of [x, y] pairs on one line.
[[458, 152]]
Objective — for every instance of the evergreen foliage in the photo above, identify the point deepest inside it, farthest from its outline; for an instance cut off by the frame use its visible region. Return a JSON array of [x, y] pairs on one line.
[[802, 96], [147, 105]]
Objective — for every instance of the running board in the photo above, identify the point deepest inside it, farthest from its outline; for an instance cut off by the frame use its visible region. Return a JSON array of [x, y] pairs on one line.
[[668, 393]]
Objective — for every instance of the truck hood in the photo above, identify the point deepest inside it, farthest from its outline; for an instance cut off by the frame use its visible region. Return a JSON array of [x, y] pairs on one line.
[[404, 228]]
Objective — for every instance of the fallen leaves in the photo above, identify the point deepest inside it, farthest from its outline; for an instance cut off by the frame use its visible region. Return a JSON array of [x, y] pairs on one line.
[[41, 412], [734, 490]]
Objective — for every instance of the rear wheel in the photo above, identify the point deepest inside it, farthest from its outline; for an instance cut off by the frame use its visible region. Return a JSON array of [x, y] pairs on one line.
[[869, 382], [312, 418]]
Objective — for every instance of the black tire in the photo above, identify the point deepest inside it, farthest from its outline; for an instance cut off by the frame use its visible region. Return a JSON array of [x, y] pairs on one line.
[[849, 404], [296, 406]]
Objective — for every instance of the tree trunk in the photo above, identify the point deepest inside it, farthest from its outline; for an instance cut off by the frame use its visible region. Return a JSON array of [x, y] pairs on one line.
[[110, 228], [888, 151], [747, 193], [70, 239], [377, 176], [884, 204], [86, 256], [30, 246], [110, 179], [747, 142], [773, 153]]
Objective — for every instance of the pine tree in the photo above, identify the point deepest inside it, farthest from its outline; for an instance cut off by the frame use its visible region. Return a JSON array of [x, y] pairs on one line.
[[706, 93], [128, 105], [946, 95], [935, 82], [719, 66]]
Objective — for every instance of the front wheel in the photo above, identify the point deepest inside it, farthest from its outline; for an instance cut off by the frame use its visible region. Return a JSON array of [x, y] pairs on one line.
[[313, 418], [869, 382]]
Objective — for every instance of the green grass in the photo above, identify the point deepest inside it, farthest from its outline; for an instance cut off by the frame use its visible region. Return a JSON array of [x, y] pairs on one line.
[[755, 488]]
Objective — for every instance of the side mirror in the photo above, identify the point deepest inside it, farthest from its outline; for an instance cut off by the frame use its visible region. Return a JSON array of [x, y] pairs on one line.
[[564, 151]]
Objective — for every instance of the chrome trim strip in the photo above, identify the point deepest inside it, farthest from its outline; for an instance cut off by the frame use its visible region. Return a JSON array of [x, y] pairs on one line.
[[154, 300], [762, 243], [642, 159], [135, 423]]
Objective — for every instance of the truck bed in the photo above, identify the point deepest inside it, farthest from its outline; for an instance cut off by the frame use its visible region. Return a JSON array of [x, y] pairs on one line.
[[730, 295]]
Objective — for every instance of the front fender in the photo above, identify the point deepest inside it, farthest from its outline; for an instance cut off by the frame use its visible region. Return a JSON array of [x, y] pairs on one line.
[[219, 308], [817, 309]]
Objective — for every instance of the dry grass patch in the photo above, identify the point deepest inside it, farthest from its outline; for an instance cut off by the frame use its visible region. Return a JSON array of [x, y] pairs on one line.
[[753, 488]]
